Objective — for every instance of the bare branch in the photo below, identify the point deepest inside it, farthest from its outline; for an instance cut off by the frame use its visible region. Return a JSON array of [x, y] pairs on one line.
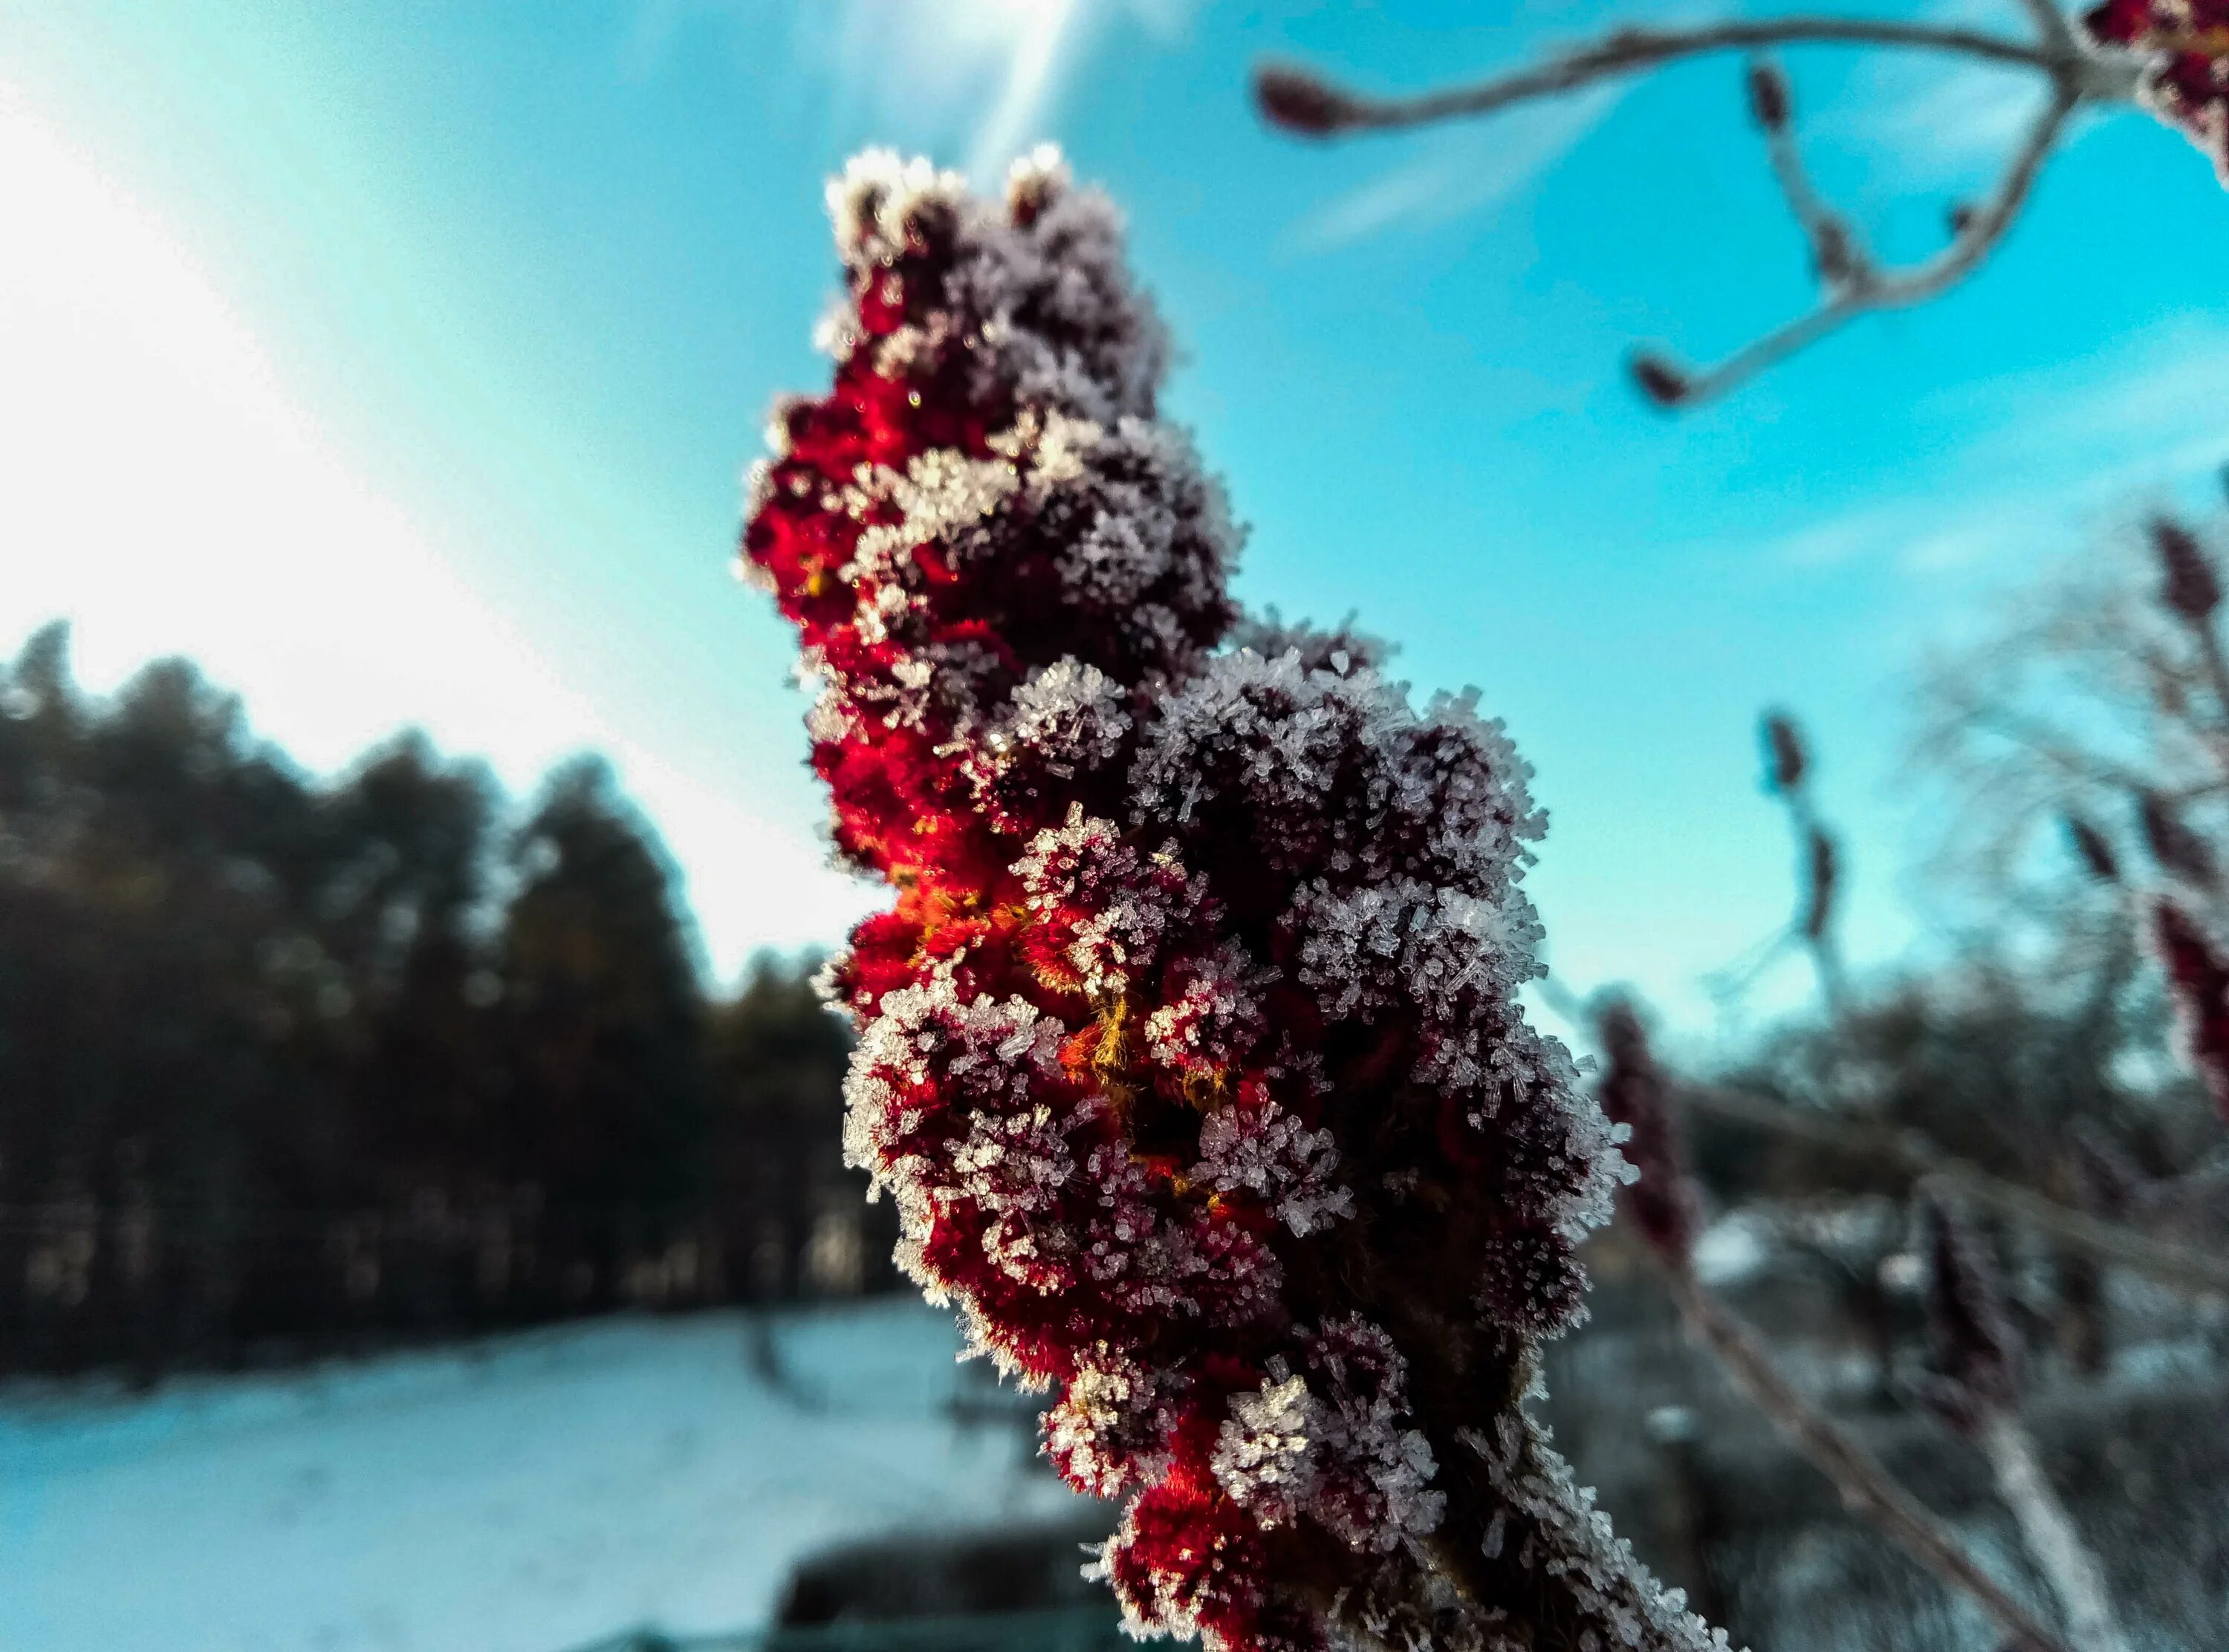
[[2050, 25], [1837, 256], [1304, 102], [1865, 1486], [1874, 290], [1789, 778], [2176, 1265], [2051, 1538], [2070, 761], [2180, 1196]]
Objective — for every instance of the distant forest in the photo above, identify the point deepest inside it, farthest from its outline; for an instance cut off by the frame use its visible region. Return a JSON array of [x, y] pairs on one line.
[[289, 1065]]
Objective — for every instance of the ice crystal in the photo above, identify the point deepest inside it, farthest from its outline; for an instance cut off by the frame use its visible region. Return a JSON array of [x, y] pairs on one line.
[[2186, 76], [1261, 1455], [1190, 1051], [1254, 1146]]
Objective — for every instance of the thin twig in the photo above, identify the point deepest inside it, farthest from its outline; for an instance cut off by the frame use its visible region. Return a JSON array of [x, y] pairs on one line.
[[1872, 289], [1855, 283], [1866, 1487], [2049, 1533], [2072, 761], [2052, 25], [1630, 50], [1837, 256], [2192, 1272]]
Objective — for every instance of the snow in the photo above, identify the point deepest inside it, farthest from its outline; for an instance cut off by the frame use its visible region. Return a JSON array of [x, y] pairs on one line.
[[530, 1493]]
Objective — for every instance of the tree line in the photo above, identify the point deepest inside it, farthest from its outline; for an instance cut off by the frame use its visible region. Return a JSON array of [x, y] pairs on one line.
[[287, 1063]]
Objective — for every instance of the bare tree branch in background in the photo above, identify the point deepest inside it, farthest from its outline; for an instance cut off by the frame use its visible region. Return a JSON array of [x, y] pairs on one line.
[[1867, 1151], [1854, 281], [1867, 1488], [1635, 1092], [1787, 774], [1974, 1383], [1910, 1157], [2100, 699]]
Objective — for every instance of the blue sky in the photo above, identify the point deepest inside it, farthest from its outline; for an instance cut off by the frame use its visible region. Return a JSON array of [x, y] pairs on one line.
[[399, 362]]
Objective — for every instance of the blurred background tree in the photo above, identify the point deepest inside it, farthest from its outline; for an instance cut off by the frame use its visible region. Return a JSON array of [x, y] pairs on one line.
[[284, 1062]]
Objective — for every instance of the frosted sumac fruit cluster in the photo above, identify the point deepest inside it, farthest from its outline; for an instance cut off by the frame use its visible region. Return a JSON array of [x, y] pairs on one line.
[[1190, 1050], [2185, 44]]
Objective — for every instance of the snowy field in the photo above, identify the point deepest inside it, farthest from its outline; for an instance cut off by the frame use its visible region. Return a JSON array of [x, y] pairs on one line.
[[526, 1494]]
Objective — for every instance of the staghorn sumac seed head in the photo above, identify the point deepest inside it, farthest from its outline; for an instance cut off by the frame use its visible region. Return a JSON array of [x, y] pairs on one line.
[[2094, 849], [1191, 1050], [2175, 846], [1786, 758], [2198, 981], [1636, 1093], [1973, 1349], [2188, 584], [2185, 44], [1769, 100], [1659, 378]]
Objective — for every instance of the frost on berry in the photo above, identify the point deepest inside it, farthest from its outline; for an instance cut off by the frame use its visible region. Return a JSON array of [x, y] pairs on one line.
[[1254, 1146], [1114, 1424], [2186, 43], [1190, 1046]]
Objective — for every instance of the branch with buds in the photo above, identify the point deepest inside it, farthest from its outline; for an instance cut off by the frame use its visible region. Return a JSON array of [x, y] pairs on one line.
[[1787, 773], [2190, 589], [2168, 54], [1660, 1202], [2195, 963], [1864, 1148], [1973, 1385]]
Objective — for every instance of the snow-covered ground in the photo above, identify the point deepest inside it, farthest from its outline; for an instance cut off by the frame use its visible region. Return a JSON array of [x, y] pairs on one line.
[[526, 1494]]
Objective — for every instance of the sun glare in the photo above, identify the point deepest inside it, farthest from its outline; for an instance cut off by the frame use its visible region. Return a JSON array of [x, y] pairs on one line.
[[161, 490]]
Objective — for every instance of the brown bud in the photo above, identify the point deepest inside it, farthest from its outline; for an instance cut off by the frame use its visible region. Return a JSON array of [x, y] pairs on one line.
[[1662, 382], [2095, 848], [1636, 1093], [1785, 759], [1825, 872], [2199, 982], [1295, 100], [2179, 851], [1767, 95], [2187, 584], [1834, 253], [1972, 1345]]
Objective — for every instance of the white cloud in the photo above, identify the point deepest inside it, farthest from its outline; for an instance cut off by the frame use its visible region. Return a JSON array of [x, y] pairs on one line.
[[1459, 171], [160, 489]]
